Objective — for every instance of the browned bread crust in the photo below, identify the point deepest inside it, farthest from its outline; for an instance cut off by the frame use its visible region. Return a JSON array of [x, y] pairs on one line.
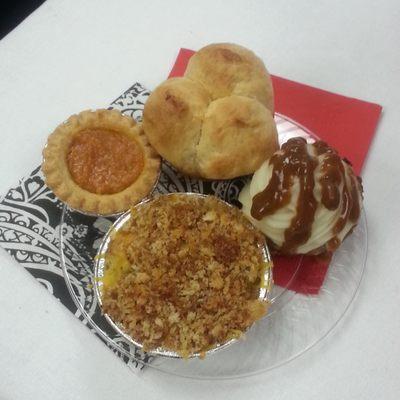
[[216, 122]]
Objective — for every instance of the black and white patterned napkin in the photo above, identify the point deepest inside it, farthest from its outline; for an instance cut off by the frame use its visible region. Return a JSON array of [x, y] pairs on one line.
[[32, 219]]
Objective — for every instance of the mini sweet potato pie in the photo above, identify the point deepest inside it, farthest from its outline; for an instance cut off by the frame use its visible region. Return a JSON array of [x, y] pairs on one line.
[[100, 162]]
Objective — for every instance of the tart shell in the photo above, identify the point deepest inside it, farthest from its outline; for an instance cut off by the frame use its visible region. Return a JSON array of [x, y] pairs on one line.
[[58, 177]]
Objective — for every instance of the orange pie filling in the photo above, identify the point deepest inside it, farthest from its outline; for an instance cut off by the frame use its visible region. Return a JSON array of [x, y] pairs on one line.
[[103, 161]]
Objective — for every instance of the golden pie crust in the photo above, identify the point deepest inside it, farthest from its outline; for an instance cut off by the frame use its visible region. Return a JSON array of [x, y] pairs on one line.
[[99, 180]]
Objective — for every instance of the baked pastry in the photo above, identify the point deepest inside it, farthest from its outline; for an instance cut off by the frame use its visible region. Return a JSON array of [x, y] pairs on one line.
[[216, 122], [226, 68], [305, 198], [238, 134], [100, 162], [172, 119], [184, 274]]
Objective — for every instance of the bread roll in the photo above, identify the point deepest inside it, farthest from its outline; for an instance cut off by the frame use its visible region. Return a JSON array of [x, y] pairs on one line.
[[173, 118], [237, 134], [216, 122], [225, 69]]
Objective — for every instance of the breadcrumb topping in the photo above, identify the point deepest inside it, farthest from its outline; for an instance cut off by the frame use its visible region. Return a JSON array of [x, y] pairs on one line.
[[184, 274]]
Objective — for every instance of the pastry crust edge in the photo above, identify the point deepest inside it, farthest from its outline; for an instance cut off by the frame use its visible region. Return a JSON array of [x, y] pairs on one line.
[[59, 179]]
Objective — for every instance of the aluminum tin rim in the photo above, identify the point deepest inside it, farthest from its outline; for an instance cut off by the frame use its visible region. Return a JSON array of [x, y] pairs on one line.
[[264, 294]]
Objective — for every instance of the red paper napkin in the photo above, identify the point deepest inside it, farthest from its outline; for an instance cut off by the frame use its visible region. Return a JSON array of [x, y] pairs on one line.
[[347, 124]]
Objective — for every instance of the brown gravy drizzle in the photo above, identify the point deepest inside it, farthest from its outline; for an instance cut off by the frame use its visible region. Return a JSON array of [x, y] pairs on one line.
[[294, 161], [333, 173]]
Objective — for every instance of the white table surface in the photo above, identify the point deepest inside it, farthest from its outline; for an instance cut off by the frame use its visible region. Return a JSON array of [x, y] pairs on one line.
[[72, 55]]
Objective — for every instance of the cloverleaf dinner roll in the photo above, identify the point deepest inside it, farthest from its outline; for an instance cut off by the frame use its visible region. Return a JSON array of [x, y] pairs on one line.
[[225, 69], [216, 122]]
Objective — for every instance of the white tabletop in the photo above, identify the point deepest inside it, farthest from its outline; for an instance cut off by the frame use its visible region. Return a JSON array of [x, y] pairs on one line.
[[73, 55]]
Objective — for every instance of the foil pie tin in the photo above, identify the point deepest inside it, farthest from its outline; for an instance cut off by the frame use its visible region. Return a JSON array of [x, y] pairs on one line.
[[100, 266]]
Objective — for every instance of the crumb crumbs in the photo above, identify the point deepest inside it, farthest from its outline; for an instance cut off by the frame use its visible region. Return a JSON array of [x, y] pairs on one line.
[[192, 269]]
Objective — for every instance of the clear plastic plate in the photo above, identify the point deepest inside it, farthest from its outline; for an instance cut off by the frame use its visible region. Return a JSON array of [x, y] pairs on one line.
[[295, 323]]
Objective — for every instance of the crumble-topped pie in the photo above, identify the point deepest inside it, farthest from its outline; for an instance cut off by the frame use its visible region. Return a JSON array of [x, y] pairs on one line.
[[100, 162], [184, 274]]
